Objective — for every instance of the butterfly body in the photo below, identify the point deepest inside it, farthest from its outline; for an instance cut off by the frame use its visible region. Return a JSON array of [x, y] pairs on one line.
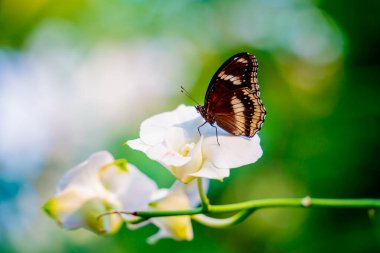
[[207, 116], [233, 98]]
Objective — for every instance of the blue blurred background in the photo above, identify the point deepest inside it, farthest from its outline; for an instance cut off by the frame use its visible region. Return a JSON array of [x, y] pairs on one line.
[[80, 76]]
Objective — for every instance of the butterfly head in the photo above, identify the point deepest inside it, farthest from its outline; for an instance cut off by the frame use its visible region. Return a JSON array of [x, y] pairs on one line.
[[207, 116]]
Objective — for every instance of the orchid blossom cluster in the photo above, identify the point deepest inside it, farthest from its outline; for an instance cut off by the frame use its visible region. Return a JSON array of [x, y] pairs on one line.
[[88, 193]]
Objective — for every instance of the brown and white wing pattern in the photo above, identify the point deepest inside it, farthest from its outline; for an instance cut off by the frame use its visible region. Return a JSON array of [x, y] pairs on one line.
[[233, 96], [242, 113]]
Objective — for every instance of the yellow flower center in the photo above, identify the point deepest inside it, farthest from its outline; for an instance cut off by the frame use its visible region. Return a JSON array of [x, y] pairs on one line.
[[185, 151]]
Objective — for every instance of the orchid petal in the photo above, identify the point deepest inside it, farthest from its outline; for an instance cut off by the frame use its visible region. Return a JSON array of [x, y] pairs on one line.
[[134, 189], [183, 173], [138, 144], [155, 128], [72, 209], [176, 227], [209, 170], [84, 175], [233, 151], [191, 190]]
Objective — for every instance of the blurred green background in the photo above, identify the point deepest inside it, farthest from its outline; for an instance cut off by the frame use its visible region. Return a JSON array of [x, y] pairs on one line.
[[80, 76]]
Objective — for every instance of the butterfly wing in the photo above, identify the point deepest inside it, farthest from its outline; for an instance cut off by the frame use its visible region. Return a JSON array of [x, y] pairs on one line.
[[240, 113], [238, 71], [233, 96]]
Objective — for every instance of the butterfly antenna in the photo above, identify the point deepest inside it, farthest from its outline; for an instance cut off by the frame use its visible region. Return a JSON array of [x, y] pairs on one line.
[[183, 90]]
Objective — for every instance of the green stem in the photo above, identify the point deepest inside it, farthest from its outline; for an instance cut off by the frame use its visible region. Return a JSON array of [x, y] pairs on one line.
[[297, 202], [224, 222], [159, 213], [205, 202], [269, 203], [137, 220]]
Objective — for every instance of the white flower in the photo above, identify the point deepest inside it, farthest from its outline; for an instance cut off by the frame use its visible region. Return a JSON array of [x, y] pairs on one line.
[[179, 197], [172, 139], [99, 185]]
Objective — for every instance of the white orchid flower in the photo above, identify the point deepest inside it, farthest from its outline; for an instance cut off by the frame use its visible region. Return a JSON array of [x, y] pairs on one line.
[[179, 197], [96, 186], [172, 139]]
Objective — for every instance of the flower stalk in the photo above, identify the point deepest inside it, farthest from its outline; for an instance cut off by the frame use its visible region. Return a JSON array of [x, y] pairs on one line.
[[249, 206], [224, 222], [205, 202]]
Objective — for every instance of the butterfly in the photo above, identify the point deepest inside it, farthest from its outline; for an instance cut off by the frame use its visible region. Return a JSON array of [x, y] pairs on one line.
[[232, 99]]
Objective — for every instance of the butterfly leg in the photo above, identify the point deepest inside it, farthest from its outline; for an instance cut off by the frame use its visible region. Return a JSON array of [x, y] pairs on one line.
[[199, 131], [216, 133]]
